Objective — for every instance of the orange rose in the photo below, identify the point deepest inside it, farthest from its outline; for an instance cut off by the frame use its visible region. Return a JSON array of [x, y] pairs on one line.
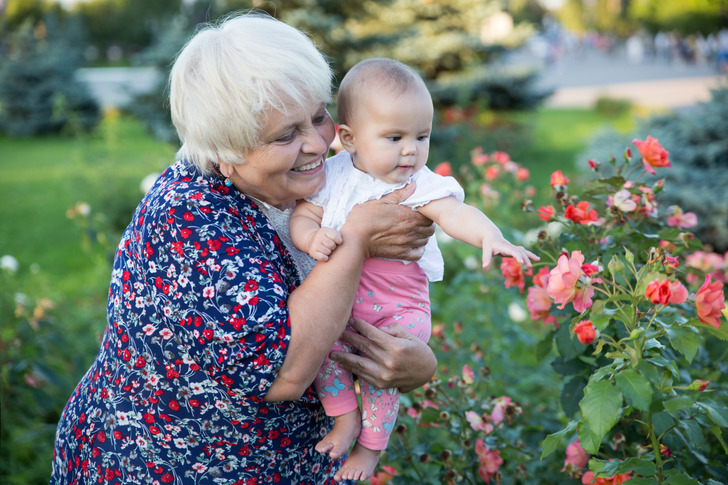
[[653, 155]]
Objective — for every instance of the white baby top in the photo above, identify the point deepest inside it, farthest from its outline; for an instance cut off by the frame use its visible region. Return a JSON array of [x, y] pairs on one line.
[[347, 186]]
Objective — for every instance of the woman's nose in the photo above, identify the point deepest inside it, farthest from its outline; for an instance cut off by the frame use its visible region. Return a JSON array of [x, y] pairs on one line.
[[316, 142]]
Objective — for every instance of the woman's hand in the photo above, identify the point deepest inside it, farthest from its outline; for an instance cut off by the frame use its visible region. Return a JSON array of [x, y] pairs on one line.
[[392, 231], [390, 356]]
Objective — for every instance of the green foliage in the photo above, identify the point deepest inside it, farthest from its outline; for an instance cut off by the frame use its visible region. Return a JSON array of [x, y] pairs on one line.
[[40, 363], [686, 17], [699, 156], [643, 361], [38, 91], [442, 39], [128, 25], [623, 18]]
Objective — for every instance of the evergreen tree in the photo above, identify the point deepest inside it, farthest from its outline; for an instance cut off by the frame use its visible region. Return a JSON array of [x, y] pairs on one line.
[[39, 93]]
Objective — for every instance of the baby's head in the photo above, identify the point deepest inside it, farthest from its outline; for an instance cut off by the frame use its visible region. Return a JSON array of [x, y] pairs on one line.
[[385, 119]]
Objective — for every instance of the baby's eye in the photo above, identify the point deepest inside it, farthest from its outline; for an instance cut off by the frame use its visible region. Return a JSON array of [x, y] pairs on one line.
[[394, 138], [422, 137]]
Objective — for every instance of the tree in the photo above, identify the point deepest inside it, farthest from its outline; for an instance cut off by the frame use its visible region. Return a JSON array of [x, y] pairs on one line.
[[38, 90]]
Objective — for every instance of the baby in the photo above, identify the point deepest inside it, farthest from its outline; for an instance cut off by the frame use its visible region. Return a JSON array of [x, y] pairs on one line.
[[385, 114]]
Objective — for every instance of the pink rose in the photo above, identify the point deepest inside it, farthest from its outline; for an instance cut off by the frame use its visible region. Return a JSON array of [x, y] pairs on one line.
[[678, 292], [444, 169], [680, 219], [562, 285], [653, 155], [546, 212], [384, 476], [513, 273], [709, 301], [522, 174], [576, 457], [501, 157], [558, 178], [490, 460]]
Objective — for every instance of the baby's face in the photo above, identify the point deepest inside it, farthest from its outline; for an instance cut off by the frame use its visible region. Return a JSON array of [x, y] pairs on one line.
[[392, 134]]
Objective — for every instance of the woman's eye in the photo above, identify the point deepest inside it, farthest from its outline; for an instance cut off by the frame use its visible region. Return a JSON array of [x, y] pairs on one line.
[[287, 137]]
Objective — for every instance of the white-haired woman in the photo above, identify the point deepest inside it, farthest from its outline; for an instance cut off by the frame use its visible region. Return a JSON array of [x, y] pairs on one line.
[[212, 340]]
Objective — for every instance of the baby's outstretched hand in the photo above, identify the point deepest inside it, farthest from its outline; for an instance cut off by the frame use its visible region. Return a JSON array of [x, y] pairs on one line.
[[323, 242], [499, 245]]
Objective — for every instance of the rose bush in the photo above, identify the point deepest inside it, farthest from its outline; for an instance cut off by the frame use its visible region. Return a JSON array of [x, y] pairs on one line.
[[632, 344], [647, 344]]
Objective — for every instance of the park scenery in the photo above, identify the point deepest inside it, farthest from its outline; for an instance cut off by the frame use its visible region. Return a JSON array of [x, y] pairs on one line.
[[606, 362]]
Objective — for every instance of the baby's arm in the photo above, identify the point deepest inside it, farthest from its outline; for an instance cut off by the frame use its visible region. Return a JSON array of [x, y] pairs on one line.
[[469, 225], [307, 233]]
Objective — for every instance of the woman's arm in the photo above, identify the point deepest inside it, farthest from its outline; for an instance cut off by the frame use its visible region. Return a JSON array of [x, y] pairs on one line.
[[394, 357], [319, 309]]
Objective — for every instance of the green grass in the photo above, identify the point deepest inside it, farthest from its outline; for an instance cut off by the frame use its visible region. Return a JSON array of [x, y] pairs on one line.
[[557, 136], [43, 177]]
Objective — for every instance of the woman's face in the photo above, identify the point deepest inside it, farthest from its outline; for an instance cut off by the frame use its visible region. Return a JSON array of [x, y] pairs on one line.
[[289, 163]]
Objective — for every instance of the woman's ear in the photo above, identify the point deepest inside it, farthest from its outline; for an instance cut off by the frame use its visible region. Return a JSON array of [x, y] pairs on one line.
[[346, 137], [225, 169]]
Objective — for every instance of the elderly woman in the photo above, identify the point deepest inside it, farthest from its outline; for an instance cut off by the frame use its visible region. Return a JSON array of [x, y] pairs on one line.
[[212, 341]]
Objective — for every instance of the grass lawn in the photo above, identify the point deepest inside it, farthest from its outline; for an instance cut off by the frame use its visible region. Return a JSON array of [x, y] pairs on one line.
[[43, 177]]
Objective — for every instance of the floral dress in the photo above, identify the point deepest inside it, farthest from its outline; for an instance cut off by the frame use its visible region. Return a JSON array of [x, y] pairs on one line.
[[197, 329]]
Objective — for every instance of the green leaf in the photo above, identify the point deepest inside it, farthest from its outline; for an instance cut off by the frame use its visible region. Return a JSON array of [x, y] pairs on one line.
[[640, 465], [567, 346], [587, 439], [719, 415], [718, 433], [692, 433], [553, 440], [720, 332], [636, 389], [676, 477], [684, 340], [642, 481], [571, 393], [600, 407], [679, 403]]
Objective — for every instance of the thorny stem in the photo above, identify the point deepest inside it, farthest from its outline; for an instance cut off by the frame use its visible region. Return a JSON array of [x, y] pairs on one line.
[[656, 449]]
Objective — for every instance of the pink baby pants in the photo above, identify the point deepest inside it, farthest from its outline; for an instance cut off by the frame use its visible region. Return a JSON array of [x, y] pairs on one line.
[[389, 292]]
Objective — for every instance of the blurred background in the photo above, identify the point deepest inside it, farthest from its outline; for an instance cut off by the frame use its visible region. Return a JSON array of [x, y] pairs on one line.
[[84, 128]]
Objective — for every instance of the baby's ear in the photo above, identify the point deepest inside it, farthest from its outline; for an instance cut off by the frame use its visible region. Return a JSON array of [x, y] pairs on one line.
[[346, 137]]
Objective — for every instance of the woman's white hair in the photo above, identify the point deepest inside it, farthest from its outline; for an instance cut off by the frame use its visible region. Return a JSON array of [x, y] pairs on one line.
[[230, 75]]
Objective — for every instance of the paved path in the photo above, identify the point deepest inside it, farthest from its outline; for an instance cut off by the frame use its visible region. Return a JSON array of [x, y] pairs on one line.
[[580, 80]]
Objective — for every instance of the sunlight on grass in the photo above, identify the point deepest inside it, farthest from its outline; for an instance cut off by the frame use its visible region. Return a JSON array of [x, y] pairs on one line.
[[43, 177]]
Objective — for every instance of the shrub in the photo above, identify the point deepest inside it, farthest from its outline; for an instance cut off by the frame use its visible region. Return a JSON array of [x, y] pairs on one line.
[[699, 150], [38, 91], [644, 387], [41, 360], [636, 390]]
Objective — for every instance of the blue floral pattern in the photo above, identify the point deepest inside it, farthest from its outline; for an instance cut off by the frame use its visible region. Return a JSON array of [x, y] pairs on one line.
[[197, 329]]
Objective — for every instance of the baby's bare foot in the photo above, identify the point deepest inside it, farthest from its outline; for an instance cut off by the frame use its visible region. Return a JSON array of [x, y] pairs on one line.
[[337, 442], [360, 464]]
